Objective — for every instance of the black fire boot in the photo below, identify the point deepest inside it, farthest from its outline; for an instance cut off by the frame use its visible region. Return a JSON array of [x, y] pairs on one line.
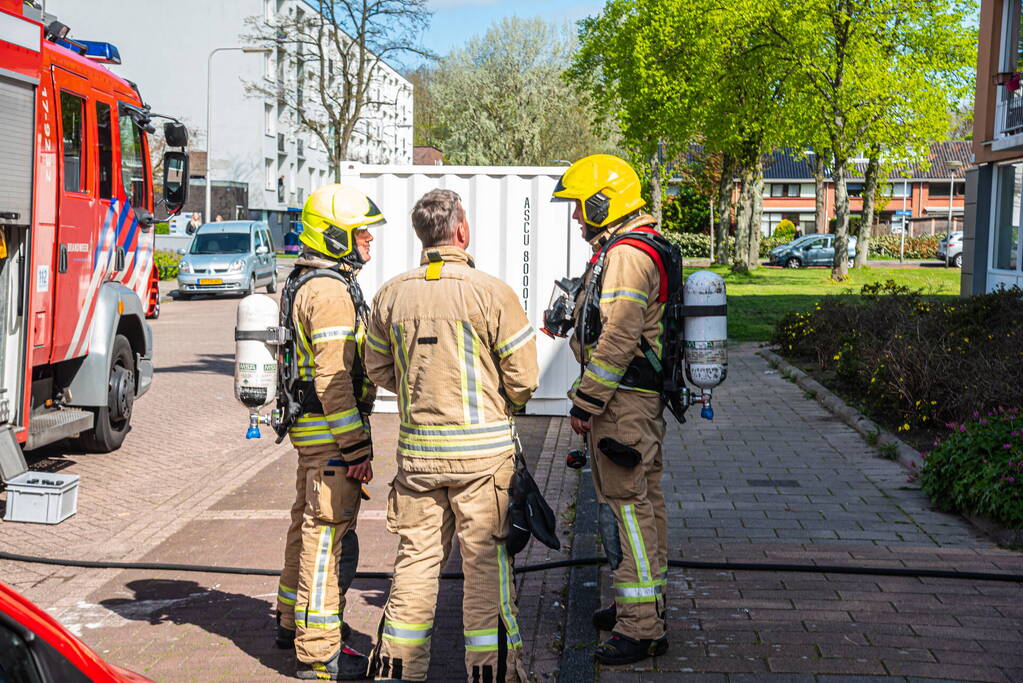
[[605, 619], [346, 665], [619, 649]]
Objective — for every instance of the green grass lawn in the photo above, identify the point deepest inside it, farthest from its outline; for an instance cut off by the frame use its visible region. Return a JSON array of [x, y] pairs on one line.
[[756, 301]]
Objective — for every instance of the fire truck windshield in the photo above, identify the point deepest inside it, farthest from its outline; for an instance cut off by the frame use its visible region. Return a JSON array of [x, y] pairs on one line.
[[221, 243]]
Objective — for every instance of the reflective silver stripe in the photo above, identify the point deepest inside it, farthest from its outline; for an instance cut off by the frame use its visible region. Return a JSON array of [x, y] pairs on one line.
[[471, 360], [630, 294], [481, 641], [443, 430], [305, 616], [331, 333], [402, 357], [303, 423], [515, 342], [639, 592], [636, 541], [323, 553], [311, 439], [610, 375], [413, 634], [428, 448], [286, 595], [378, 344], [346, 420], [504, 572]]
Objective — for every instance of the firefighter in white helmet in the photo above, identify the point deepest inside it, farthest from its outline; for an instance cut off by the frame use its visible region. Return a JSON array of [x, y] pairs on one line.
[[616, 401], [328, 400], [456, 347]]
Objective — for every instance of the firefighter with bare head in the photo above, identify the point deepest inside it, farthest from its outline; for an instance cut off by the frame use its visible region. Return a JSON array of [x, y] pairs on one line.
[[327, 406], [616, 401], [455, 346]]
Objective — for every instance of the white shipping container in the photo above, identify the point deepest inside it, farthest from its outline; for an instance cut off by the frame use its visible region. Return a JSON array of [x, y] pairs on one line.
[[517, 234]]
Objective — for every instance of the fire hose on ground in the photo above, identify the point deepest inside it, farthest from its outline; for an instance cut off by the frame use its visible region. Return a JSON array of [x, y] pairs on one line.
[[911, 572]]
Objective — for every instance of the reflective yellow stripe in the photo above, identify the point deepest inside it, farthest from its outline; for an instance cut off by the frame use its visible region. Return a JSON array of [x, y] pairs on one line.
[[304, 354], [344, 422], [504, 571], [326, 334], [514, 342], [469, 371], [624, 293], [378, 344], [286, 595], [321, 568], [398, 339], [407, 634], [635, 535]]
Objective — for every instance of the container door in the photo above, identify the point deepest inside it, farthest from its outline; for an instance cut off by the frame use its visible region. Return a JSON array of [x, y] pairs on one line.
[[75, 272], [17, 122]]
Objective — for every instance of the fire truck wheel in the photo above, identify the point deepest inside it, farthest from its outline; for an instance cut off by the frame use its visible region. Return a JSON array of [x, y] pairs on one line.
[[156, 310], [113, 420]]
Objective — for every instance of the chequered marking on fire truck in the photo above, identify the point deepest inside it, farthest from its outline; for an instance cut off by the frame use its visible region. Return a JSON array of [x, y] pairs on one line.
[[136, 268]]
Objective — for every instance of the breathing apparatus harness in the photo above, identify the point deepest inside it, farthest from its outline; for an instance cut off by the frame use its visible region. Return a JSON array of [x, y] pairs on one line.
[[665, 374], [296, 396]]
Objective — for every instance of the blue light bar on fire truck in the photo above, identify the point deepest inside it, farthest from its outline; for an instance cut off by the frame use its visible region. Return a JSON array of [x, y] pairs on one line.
[[104, 53]]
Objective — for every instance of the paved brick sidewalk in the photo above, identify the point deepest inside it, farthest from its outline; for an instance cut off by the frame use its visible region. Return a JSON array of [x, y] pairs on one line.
[[187, 488], [776, 478]]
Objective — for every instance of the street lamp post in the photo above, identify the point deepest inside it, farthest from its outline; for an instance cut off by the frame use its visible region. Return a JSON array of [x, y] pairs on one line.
[[953, 166], [209, 116]]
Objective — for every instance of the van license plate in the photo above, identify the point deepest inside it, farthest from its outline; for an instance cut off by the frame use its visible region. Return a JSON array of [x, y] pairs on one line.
[[211, 281]]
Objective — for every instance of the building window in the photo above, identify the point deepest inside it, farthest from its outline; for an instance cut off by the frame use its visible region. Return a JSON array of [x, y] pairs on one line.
[[854, 189], [268, 66], [270, 173], [940, 189], [1005, 250], [784, 189], [269, 120], [898, 190]]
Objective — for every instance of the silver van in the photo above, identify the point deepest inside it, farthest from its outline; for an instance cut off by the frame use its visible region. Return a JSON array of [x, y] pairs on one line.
[[230, 257]]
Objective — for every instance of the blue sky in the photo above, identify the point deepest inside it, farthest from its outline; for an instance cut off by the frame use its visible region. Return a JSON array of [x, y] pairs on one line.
[[455, 21]]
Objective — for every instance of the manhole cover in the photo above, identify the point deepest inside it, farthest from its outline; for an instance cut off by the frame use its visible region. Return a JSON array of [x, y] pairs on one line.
[[779, 483]]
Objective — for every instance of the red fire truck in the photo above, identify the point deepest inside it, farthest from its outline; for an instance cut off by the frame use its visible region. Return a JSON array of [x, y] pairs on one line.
[[77, 278]]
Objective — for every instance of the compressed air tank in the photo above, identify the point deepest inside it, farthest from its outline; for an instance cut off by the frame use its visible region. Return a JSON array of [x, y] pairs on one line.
[[255, 367], [706, 329]]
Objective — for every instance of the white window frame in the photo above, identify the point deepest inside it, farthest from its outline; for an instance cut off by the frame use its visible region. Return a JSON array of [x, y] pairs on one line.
[[270, 121], [993, 226], [270, 182]]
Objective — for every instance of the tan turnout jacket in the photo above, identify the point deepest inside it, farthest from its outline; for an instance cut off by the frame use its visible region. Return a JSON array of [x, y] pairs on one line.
[[456, 347], [328, 337], [628, 308]]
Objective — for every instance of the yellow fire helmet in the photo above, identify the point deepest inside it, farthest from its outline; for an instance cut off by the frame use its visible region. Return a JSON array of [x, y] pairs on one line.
[[330, 216], [606, 185]]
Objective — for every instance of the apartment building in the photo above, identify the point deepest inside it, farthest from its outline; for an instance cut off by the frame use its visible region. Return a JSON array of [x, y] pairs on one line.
[[992, 249], [166, 49]]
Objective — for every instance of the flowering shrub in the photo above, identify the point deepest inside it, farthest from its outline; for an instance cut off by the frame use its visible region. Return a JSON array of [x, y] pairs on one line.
[[978, 467], [785, 230], [913, 360]]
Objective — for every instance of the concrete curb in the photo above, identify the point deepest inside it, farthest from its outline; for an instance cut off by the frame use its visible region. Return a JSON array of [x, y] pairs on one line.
[[907, 456]]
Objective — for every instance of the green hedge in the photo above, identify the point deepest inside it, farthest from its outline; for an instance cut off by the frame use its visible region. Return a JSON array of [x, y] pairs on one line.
[[167, 264], [914, 360], [978, 467], [921, 247]]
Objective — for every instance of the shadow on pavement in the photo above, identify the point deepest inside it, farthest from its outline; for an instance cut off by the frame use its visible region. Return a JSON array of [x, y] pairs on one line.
[[214, 363], [244, 620]]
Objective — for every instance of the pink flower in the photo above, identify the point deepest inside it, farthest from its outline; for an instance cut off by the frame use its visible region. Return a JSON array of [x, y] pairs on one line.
[[962, 428], [1007, 446]]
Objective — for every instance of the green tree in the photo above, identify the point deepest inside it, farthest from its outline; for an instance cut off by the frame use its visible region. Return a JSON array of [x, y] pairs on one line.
[[873, 72], [501, 99]]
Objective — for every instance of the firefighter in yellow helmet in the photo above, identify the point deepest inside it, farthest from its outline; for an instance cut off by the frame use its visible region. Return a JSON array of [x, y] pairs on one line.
[[327, 401], [616, 401]]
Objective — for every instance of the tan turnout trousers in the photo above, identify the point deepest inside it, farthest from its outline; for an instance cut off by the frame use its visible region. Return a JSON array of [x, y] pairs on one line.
[[426, 511], [325, 509], [635, 495]]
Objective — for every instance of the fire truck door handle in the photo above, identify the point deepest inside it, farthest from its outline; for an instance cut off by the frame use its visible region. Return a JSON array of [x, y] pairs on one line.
[[62, 260], [10, 215]]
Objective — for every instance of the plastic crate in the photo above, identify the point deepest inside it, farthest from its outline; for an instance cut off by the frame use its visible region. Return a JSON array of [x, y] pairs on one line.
[[42, 497]]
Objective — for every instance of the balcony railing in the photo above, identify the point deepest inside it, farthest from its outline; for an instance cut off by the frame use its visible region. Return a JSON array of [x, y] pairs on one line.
[[1010, 111]]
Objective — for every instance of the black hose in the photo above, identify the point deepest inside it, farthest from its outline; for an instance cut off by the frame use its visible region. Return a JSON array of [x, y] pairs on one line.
[[556, 564]]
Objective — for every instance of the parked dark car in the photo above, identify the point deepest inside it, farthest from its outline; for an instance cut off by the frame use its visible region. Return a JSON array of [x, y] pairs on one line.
[[809, 250]]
